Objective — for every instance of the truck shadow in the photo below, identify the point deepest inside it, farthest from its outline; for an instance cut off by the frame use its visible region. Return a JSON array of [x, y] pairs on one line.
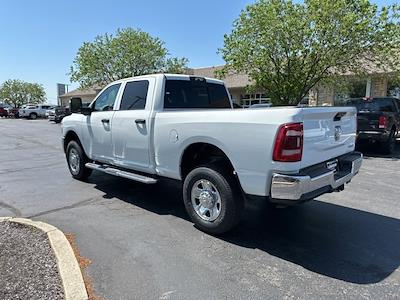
[[370, 151], [332, 240]]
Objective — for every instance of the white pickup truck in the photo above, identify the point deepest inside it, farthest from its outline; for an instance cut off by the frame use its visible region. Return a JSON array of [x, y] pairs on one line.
[[184, 128], [34, 111]]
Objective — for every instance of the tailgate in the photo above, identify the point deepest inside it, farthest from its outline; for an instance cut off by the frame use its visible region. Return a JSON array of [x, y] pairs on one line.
[[328, 132], [368, 121]]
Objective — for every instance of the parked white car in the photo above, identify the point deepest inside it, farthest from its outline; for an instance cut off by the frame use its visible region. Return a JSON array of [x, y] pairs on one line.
[[184, 128], [33, 111]]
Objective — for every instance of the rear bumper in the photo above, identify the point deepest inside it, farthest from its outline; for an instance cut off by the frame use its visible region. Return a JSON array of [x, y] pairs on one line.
[[380, 136], [290, 189]]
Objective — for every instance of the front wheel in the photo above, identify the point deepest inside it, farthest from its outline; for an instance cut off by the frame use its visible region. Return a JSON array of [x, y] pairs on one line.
[[212, 199], [76, 160]]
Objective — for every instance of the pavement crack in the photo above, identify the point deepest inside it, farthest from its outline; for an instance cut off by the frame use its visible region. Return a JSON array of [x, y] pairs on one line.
[[77, 204], [14, 210], [32, 141], [32, 168]]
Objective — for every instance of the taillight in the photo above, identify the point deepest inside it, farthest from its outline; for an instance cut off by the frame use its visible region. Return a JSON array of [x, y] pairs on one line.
[[289, 143], [382, 122]]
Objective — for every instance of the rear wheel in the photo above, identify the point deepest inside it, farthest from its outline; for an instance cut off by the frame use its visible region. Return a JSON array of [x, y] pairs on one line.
[[32, 116], [212, 199], [390, 145], [76, 160]]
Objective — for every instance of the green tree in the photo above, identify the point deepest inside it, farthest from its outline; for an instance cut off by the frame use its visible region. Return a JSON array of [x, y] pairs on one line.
[[129, 53], [287, 48], [175, 65], [17, 92]]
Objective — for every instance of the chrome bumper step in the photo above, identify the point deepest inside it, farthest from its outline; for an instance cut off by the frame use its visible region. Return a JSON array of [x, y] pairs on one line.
[[125, 174], [298, 187]]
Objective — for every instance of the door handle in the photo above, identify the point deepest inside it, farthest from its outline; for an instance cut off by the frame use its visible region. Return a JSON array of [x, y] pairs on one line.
[[140, 121], [105, 120]]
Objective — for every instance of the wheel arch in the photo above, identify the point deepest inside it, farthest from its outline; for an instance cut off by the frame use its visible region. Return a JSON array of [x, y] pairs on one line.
[[71, 136], [199, 153]]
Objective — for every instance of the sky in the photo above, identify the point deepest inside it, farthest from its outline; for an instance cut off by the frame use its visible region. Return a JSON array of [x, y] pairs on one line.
[[39, 39]]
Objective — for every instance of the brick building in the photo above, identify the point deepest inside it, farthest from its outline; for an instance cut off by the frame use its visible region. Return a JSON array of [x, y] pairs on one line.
[[376, 85]]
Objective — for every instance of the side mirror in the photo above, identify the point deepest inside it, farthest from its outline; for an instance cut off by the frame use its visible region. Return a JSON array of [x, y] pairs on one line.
[[75, 105], [85, 110]]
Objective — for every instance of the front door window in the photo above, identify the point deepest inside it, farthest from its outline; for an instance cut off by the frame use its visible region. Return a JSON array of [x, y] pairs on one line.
[[106, 100]]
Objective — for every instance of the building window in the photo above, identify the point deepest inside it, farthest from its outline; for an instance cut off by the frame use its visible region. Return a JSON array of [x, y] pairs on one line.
[[393, 89], [357, 89], [340, 98], [248, 100], [305, 101]]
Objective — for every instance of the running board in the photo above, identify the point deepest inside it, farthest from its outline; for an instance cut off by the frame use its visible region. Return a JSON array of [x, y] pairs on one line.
[[120, 173]]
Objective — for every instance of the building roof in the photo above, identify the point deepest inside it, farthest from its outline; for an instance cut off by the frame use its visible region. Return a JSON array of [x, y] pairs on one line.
[[372, 67], [232, 80], [92, 91]]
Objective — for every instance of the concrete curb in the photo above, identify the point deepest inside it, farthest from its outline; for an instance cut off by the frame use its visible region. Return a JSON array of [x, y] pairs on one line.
[[68, 267]]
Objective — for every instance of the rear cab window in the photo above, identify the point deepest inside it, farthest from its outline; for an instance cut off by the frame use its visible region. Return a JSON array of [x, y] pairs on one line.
[[195, 93], [375, 104]]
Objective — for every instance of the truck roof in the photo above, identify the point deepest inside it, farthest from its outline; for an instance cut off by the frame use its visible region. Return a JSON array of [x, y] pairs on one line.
[[172, 76]]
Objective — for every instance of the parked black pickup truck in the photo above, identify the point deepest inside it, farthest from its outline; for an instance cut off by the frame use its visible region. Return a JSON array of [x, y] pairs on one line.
[[378, 121], [58, 113]]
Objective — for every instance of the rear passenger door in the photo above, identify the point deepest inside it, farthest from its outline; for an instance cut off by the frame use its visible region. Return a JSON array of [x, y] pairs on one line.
[[131, 125]]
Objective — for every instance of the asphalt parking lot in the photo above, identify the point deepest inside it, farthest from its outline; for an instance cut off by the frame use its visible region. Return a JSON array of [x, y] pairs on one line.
[[342, 245]]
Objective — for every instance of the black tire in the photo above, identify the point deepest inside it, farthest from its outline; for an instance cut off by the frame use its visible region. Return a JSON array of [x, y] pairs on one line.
[[80, 172], [389, 146], [33, 116], [230, 196]]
